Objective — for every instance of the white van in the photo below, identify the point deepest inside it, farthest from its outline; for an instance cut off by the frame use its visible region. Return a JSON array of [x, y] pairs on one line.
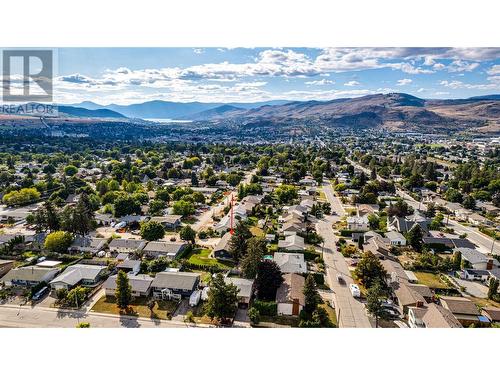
[[356, 293]]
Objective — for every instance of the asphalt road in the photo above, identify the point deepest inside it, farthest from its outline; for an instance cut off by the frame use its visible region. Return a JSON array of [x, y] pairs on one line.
[[351, 313], [43, 317]]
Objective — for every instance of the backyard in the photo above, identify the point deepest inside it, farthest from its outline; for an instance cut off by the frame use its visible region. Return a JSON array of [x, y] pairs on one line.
[[138, 307], [201, 257], [432, 280]]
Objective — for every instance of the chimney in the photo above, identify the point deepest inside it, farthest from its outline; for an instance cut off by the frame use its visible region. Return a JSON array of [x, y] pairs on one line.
[[489, 265]]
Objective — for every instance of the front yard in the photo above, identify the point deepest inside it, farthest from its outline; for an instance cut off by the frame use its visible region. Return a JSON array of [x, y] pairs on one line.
[[138, 307]]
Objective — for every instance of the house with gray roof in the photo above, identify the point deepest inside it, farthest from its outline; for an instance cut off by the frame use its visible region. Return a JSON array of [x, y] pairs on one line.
[[478, 260], [78, 274], [120, 245], [86, 244], [164, 248], [245, 289], [140, 285], [29, 276], [180, 283]]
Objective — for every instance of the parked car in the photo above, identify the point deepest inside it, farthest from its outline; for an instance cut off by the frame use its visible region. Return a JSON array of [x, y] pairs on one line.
[[38, 295]]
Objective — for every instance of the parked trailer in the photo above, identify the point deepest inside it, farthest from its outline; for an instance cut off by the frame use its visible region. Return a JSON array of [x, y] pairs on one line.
[[356, 293], [195, 297]]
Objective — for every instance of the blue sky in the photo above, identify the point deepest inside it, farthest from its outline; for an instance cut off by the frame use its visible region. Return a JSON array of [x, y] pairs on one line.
[[132, 75]]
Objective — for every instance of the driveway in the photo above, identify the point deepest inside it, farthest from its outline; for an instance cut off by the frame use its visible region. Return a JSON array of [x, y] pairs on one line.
[[474, 288]]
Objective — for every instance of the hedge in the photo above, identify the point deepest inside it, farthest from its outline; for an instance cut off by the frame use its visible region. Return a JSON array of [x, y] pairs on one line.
[[267, 308]]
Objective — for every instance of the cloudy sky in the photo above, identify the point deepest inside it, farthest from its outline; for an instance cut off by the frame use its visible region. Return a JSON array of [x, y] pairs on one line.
[[132, 75]]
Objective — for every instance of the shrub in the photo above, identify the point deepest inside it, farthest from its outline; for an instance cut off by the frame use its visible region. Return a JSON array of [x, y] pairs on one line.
[[254, 315], [267, 308]]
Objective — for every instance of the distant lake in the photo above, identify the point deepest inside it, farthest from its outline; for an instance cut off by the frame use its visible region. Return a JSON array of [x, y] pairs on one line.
[[167, 120]]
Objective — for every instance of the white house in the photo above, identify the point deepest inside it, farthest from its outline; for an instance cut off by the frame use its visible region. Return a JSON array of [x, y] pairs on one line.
[[358, 223], [396, 238], [78, 274]]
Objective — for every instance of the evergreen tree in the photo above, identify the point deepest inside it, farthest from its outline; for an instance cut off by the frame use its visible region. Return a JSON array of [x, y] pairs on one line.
[[374, 302], [493, 288], [256, 248], [311, 295], [222, 299], [238, 242], [268, 280], [123, 291], [414, 237], [457, 260]]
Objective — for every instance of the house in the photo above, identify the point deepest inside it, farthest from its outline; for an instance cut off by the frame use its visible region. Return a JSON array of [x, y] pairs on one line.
[[245, 290], [290, 262], [293, 226], [140, 285], [476, 219], [119, 245], [177, 283], [104, 219], [170, 222], [29, 276], [358, 223], [492, 313], [289, 296], [477, 260], [78, 274], [129, 266], [163, 248], [367, 209], [5, 266], [396, 238], [463, 309], [292, 243], [431, 316], [225, 224], [84, 244], [221, 250], [405, 224], [475, 275], [412, 295]]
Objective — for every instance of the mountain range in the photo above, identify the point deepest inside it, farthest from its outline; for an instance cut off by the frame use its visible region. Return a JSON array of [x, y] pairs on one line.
[[159, 109], [394, 111]]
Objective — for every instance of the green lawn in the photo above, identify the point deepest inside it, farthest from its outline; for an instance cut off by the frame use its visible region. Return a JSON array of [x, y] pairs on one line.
[[331, 313], [256, 231], [201, 256], [162, 309], [430, 279]]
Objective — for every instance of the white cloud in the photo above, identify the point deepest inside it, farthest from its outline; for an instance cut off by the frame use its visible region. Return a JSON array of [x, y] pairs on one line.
[[321, 82], [404, 81], [462, 66], [461, 85], [352, 83], [494, 70]]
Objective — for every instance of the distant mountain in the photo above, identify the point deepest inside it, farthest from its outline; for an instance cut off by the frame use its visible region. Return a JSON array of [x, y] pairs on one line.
[[486, 97], [169, 110], [395, 111], [214, 113], [83, 112]]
